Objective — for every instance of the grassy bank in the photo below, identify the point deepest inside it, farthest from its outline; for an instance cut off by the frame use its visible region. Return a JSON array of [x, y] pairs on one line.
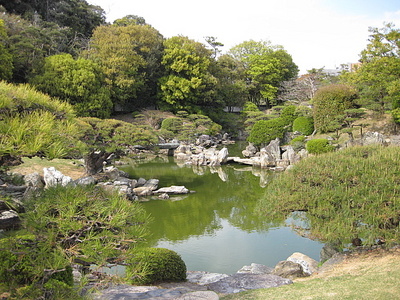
[[364, 276], [349, 194]]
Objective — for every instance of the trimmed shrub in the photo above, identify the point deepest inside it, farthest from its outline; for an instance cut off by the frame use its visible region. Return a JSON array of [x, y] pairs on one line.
[[152, 265], [305, 125], [288, 114], [265, 131], [172, 124], [330, 102], [318, 146]]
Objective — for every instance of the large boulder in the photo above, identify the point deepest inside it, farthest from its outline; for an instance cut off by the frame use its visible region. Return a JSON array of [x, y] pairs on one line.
[[266, 159], [173, 189], [308, 264], [370, 138], [289, 269], [274, 149], [53, 177], [250, 151]]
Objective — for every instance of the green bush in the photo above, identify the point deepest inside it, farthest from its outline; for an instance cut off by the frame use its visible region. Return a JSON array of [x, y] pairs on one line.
[[152, 265], [172, 124], [265, 131], [288, 114], [330, 102], [396, 115], [112, 135], [318, 146], [304, 125]]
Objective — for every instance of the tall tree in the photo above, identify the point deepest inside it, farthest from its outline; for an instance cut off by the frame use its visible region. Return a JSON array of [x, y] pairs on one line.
[[267, 66], [29, 44], [80, 82], [188, 81], [378, 76], [231, 87], [130, 58], [6, 65], [77, 15]]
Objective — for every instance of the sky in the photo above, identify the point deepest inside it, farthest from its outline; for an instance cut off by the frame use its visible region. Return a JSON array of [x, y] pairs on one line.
[[317, 33]]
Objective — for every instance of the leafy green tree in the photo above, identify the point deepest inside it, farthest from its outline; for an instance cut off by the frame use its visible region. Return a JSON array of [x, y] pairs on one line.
[[6, 65], [130, 58], [231, 86], [77, 15], [30, 43], [378, 76], [330, 102], [188, 81], [80, 82], [266, 66]]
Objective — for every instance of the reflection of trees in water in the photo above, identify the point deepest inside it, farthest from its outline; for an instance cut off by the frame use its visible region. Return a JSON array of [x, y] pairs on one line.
[[226, 192]]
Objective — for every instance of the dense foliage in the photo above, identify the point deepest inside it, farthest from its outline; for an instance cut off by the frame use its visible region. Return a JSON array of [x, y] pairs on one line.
[[330, 102], [153, 265], [265, 131], [34, 124], [79, 82], [65, 225], [318, 146], [377, 77], [304, 125], [347, 194]]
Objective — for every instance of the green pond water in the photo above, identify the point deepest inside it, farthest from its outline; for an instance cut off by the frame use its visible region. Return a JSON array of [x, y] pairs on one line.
[[217, 229]]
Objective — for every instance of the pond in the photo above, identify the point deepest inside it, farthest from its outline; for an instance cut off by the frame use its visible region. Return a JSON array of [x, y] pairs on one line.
[[217, 229]]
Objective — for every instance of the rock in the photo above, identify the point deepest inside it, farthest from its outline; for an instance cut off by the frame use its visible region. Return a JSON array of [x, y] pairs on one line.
[[173, 189], [53, 177], [289, 269], [274, 149], [114, 173], [290, 155], [87, 180], [140, 182], [9, 219], [34, 180], [123, 181], [163, 196], [199, 295], [203, 278], [255, 269], [266, 159], [250, 151], [370, 138], [241, 282], [328, 251], [309, 265], [152, 184], [143, 191], [222, 155]]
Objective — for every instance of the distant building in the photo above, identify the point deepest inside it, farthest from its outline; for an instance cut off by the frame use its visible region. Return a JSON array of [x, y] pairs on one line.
[[349, 67]]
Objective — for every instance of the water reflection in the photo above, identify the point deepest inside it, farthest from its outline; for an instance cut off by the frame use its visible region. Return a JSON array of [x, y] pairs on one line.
[[218, 223]]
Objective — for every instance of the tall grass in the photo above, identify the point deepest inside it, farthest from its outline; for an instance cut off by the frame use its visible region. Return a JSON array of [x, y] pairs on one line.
[[348, 194]]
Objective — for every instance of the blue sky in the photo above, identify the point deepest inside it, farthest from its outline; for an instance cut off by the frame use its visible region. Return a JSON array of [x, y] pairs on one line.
[[317, 33]]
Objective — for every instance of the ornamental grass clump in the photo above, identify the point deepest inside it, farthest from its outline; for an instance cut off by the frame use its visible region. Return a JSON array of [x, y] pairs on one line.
[[349, 194]]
